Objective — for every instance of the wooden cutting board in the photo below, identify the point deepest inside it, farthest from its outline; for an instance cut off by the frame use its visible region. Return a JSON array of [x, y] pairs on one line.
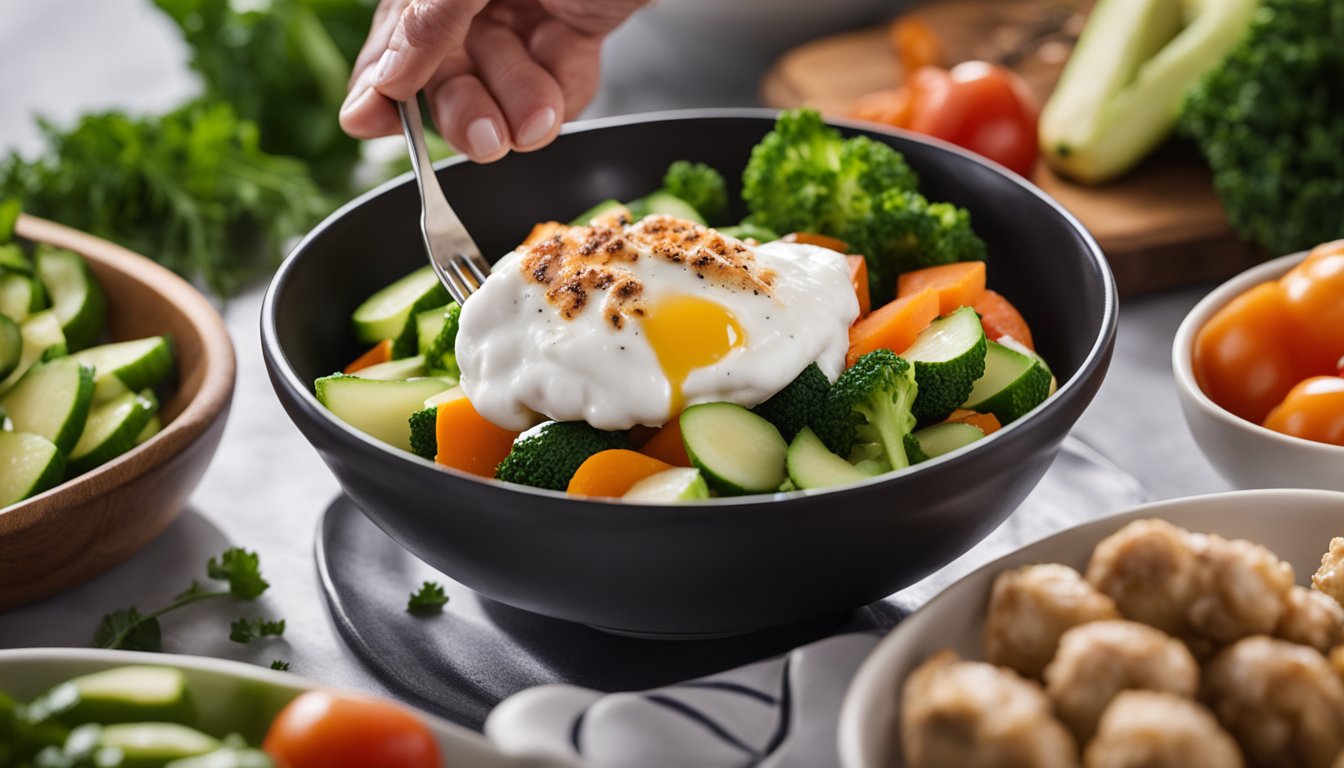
[[1161, 225]]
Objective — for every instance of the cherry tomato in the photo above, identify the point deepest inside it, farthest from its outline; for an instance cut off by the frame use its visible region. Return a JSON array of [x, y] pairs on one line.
[[326, 729], [980, 106], [1240, 360], [1313, 410], [1313, 294]]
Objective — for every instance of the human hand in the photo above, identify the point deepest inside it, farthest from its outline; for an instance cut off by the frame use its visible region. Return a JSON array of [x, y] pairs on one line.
[[497, 74]]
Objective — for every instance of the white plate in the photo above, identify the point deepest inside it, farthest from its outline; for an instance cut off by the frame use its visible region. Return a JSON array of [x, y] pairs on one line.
[[1297, 525], [231, 696]]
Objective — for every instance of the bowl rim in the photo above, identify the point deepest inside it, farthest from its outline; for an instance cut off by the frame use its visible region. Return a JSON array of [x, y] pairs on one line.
[[869, 680], [284, 374], [217, 359], [1183, 348]]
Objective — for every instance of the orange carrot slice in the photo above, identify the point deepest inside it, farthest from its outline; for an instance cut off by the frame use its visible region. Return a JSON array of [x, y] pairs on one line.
[[379, 353], [667, 445], [1000, 318], [958, 285], [544, 231], [985, 422], [858, 275], [613, 472], [915, 43], [467, 441], [893, 326]]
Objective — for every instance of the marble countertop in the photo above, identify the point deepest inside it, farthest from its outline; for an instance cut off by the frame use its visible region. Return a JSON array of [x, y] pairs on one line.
[[267, 488]]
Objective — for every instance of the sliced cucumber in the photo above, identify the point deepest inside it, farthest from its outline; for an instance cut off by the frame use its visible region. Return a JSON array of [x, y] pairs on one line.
[[1017, 346], [428, 324], [154, 745], [670, 485], [1013, 384], [949, 357], [944, 438], [394, 370], [153, 427], [75, 296], [13, 259], [738, 451], [32, 465], [750, 232], [20, 296], [42, 339], [128, 366], [377, 408], [602, 209], [436, 332], [127, 694], [11, 346], [229, 757], [52, 400], [444, 396], [111, 430], [664, 203], [385, 314], [812, 465]]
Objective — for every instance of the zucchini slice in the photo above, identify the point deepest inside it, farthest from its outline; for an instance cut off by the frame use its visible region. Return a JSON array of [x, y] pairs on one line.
[[377, 408], [668, 486], [603, 208], [153, 427], [111, 430], [20, 296], [812, 465], [436, 336], [11, 346], [75, 296], [1013, 384], [128, 366], [32, 465], [737, 451], [944, 438], [385, 314], [52, 400], [664, 203], [949, 356], [394, 370], [156, 744], [42, 340]]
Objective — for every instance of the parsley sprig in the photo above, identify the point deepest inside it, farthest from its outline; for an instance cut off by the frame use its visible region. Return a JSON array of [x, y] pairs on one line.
[[128, 629], [429, 599]]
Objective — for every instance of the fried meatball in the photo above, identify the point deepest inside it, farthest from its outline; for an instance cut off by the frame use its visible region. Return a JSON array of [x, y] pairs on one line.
[[1099, 660], [1329, 577], [1150, 570], [1243, 591], [1336, 659], [1311, 618], [1282, 702], [976, 715], [1031, 607], [1149, 729]]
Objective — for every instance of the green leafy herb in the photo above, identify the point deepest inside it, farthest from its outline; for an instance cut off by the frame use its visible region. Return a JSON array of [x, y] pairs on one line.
[[283, 666], [429, 599], [128, 629], [246, 630]]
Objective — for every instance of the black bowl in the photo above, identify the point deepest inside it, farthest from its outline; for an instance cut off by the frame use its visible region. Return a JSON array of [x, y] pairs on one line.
[[728, 565]]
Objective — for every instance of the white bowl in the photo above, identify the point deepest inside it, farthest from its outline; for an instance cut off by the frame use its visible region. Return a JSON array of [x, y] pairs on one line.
[[1246, 454], [1297, 525], [231, 696]]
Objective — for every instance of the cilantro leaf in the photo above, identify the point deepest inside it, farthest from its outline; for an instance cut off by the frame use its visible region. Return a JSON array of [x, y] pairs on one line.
[[127, 630], [242, 569], [246, 630], [429, 599], [283, 666]]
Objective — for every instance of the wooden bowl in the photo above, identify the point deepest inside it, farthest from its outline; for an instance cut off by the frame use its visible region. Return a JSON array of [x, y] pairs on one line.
[[84, 526]]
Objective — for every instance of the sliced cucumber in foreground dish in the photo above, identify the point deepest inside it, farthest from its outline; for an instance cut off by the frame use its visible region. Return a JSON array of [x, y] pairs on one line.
[[112, 429], [1013, 384], [11, 346], [42, 340], [394, 370], [670, 485], [379, 409], [20, 296], [385, 314], [812, 465], [75, 296], [738, 451], [32, 465], [949, 356], [939, 439], [128, 366], [153, 427], [52, 400]]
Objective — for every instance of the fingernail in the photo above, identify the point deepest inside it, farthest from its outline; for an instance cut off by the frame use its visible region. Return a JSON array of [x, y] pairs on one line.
[[483, 137], [357, 98], [388, 65], [537, 127]]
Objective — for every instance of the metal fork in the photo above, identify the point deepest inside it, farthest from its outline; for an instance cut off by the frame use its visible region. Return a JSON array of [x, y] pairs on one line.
[[453, 254]]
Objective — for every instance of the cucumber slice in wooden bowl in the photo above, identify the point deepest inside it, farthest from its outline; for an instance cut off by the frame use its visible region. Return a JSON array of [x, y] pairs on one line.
[[106, 467]]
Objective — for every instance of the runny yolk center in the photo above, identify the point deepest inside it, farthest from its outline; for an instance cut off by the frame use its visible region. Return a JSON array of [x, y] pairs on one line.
[[686, 333]]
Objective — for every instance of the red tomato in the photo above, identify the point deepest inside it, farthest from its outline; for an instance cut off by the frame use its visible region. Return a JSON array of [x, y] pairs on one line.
[[1240, 360], [980, 106], [1313, 410], [326, 729], [1313, 295]]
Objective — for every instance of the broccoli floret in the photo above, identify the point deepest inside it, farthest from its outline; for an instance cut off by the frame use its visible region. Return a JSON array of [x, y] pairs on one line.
[[441, 357], [868, 410], [547, 456], [701, 186], [794, 406], [424, 436], [1270, 122], [913, 450], [908, 232]]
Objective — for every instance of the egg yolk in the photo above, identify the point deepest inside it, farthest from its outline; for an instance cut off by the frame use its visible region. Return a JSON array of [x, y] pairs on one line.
[[686, 333]]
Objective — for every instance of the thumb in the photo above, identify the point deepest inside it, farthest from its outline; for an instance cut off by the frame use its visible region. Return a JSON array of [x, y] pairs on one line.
[[425, 33]]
